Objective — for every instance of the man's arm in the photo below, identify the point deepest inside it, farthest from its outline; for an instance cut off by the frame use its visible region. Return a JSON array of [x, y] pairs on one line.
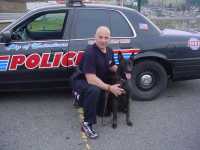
[[94, 80], [89, 70]]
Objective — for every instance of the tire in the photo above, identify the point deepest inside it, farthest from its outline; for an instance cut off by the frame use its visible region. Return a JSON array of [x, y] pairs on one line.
[[149, 80]]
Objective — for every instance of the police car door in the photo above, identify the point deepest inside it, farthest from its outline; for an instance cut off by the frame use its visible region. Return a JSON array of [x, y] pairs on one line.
[[123, 33], [36, 48], [48, 41]]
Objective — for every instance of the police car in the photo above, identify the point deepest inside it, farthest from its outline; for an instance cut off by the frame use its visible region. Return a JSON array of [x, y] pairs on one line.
[[42, 48]]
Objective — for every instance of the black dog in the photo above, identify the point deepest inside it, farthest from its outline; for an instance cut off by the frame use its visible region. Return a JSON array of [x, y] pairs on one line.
[[122, 102]]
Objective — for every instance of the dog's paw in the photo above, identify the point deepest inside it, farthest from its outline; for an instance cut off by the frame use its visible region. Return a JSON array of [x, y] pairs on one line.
[[114, 126], [129, 123]]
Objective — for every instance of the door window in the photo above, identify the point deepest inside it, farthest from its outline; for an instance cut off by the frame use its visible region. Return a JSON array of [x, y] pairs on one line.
[[89, 21], [47, 23], [43, 27]]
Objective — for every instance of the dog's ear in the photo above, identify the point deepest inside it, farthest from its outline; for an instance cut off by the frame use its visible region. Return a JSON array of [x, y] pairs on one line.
[[120, 57]]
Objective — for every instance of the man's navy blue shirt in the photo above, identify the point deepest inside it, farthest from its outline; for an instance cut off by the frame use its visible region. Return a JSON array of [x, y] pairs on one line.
[[97, 62]]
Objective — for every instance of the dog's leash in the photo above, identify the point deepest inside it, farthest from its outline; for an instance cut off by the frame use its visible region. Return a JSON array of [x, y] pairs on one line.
[[105, 106]]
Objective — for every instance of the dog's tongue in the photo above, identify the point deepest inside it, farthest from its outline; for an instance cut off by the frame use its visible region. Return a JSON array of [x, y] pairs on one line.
[[128, 75]]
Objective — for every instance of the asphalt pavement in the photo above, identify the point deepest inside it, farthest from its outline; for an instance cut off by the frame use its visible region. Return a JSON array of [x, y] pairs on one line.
[[47, 121]]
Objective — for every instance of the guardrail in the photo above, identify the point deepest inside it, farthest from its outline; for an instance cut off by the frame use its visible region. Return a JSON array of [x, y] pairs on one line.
[[5, 21], [9, 17]]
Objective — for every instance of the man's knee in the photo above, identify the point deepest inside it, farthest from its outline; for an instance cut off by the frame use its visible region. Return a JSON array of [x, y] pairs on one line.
[[92, 89], [91, 97]]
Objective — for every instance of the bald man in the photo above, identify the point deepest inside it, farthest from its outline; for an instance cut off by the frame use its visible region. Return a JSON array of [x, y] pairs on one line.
[[93, 81]]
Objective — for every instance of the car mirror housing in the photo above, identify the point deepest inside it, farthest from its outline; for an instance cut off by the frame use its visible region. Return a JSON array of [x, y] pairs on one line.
[[5, 36]]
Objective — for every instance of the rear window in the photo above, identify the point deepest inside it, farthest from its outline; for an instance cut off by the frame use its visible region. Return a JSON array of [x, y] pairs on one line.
[[119, 25]]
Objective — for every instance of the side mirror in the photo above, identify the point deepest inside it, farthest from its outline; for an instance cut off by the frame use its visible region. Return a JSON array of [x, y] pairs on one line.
[[6, 36]]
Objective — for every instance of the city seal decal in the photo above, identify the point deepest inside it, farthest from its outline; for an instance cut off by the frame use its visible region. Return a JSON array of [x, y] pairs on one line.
[[194, 43]]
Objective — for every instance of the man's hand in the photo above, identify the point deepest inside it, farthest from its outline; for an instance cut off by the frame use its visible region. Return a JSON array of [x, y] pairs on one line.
[[114, 68], [116, 90]]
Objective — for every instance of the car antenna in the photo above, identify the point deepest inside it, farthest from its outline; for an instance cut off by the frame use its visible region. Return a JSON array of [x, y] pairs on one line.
[[74, 3]]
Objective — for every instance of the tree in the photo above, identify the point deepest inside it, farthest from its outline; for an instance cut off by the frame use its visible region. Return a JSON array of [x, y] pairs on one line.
[[143, 2], [140, 3], [195, 2]]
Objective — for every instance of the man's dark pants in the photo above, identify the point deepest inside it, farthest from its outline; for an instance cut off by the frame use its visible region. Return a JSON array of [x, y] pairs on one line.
[[92, 100]]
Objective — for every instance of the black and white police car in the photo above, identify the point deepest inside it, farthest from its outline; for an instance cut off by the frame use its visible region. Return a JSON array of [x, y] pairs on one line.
[[42, 48]]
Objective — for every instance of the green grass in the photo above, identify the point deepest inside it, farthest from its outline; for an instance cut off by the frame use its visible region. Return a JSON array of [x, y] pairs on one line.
[[47, 24], [2, 25]]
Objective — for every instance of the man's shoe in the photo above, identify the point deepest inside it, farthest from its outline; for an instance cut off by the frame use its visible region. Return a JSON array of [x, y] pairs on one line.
[[89, 131]]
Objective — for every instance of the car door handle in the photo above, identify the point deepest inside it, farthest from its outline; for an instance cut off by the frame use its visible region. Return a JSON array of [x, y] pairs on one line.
[[125, 45]]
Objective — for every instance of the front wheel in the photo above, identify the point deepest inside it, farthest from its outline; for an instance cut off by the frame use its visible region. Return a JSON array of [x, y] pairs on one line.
[[149, 80]]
